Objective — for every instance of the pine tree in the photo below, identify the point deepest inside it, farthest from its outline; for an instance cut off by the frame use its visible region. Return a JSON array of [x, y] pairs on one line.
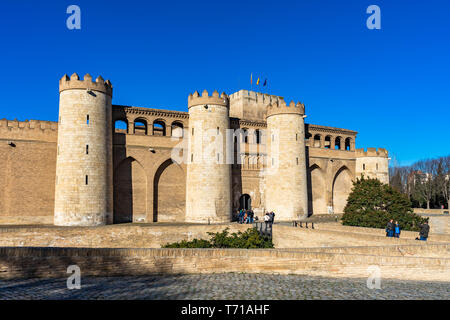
[[372, 204]]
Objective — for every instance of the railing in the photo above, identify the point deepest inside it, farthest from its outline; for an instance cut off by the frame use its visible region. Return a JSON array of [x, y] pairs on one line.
[[300, 224], [264, 229]]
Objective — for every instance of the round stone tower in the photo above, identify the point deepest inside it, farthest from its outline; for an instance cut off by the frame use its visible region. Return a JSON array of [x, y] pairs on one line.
[[208, 181], [83, 191], [285, 176]]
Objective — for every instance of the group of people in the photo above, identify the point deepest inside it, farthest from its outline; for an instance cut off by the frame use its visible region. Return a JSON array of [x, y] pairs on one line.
[[393, 230], [248, 216], [245, 216]]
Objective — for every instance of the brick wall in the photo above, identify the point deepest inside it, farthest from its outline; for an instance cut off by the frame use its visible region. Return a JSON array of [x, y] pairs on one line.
[[27, 181]]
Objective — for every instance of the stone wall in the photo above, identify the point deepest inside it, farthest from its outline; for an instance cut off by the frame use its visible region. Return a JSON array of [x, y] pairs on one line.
[[438, 223], [112, 236], [429, 211], [335, 235], [53, 262]]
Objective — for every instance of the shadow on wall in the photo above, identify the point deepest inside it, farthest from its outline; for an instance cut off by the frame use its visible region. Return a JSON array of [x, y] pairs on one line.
[[309, 184], [130, 192], [236, 180], [155, 188], [123, 190], [52, 263]]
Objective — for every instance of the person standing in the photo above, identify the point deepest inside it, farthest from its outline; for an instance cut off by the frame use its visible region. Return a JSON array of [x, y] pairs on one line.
[[390, 229], [396, 230], [251, 214], [424, 230], [241, 215], [266, 219]]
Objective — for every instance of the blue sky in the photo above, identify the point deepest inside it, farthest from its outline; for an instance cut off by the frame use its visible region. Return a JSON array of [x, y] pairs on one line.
[[390, 85]]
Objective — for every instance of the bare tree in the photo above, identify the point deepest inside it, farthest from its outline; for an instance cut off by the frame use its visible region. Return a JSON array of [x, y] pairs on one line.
[[443, 178], [425, 173], [423, 180]]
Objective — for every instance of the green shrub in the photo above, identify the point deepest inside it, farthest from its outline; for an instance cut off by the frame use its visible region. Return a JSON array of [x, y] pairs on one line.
[[372, 204], [250, 239]]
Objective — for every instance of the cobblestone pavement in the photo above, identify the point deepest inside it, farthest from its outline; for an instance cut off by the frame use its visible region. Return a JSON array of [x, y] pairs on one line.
[[221, 286]]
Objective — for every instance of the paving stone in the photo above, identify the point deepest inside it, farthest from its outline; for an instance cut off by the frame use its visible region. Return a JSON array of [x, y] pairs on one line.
[[221, 286]]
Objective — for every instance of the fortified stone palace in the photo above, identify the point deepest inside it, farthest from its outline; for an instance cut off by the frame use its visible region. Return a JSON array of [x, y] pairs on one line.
[[159, 165]]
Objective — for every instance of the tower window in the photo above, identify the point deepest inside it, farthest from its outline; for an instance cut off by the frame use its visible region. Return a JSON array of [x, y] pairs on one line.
[[192, 157], [296, 137], [258, 136], [297, 161], [87, 119], [87, 149], [377, 166], [192, 131], [217, 130], [364, 166], [87, 180], [218, 157]]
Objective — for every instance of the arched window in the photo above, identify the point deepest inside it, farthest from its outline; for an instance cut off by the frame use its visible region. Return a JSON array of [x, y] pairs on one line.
[[140, 127], [177, 129], [317, 141], [327, 142], [258, 136], [337, 143], [159, 128], [348, 146], [245, 135], [121, 126]]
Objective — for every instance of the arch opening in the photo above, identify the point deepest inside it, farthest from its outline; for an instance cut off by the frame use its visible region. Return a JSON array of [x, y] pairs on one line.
[[121, 126], [177, 130], [327, 142], [245, 202], [342, 184], [337, 143], [348, 144], [244, 134], [159, 128], [258, 136], [169, 193], [317, 141], [140, 127], [130, 192], [316, 191]]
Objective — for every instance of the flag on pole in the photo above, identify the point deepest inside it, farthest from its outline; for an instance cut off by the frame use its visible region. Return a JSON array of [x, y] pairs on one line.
[[251, 78], [265, 83], [257, 82]]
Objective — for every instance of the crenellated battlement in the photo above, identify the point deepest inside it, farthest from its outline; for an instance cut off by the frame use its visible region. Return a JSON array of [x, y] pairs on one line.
[[49, 126], [280, 107], [196, 99], [74, 82], [372, 152], [256, 97]]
